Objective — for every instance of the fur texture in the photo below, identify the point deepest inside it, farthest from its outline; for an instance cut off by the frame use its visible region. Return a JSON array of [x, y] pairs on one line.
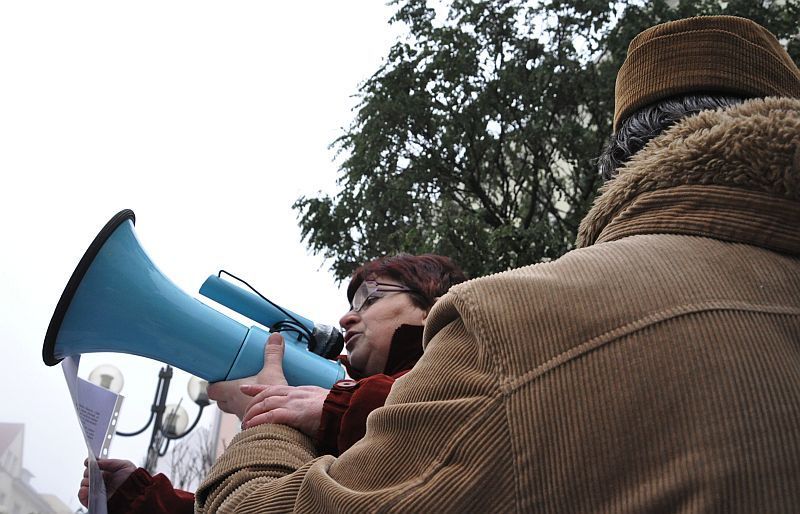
[[753, 146]]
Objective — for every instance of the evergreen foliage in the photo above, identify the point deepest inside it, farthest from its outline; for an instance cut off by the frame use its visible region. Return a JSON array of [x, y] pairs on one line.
[[476, 138]]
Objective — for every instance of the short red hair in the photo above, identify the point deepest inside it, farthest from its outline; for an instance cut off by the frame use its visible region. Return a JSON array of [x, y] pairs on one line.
[[429, 275]]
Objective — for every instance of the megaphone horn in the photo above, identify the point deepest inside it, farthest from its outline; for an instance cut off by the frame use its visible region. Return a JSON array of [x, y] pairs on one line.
[[118, 301]]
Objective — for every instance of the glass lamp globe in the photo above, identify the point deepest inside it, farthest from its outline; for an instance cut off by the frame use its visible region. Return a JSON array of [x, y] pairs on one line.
[[175, 420], [107, 376], [198, 391]]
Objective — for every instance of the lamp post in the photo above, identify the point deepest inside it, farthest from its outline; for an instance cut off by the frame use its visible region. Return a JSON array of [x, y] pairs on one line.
[[169, 421]]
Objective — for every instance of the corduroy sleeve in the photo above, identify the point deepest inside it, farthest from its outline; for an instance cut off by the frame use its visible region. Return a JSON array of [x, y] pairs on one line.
[[434, 447]]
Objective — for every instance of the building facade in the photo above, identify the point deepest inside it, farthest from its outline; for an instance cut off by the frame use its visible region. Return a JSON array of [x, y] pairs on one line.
[[17, 496]]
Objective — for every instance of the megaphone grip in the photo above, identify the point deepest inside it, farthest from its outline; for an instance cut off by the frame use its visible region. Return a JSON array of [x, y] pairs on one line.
[[300, 367]]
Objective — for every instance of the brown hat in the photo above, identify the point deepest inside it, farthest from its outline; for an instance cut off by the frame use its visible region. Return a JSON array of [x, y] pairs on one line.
[[703, 54]]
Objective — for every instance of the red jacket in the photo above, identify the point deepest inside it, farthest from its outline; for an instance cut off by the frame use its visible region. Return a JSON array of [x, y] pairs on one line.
[[344, 414], [143, 494], [344, 421]]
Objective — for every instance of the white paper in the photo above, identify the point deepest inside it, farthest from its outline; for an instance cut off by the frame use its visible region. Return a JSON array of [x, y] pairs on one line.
[[98, 409], [97, 487]]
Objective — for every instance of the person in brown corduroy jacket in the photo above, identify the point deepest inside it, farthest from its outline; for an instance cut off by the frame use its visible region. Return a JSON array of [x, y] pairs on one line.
[[654, 369]]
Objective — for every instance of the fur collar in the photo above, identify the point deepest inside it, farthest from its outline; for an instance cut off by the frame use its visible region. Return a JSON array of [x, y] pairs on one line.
[[753, 147]]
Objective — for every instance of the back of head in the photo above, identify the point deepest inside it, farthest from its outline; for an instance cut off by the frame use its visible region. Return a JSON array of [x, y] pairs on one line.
[[682, 67], [429, 275]]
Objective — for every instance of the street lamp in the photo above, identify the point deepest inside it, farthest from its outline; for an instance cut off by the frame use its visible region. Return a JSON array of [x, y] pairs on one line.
[[107, 376], [169, 421]]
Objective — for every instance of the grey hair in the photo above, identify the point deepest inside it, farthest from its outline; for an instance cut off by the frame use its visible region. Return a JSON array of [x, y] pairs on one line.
[[648, 122]]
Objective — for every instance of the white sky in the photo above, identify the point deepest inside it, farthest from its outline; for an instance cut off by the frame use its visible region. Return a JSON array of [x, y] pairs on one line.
[[208, 119]]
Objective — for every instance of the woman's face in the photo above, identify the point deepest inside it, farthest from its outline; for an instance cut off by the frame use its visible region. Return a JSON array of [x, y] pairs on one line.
[[368, 332]]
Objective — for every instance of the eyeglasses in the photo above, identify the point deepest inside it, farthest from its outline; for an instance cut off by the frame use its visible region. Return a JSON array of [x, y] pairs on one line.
[[370, 291]]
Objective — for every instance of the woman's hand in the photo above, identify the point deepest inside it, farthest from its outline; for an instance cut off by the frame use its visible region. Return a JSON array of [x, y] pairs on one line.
[[228, 394], [298, 407], [115, 472], [276, 402]]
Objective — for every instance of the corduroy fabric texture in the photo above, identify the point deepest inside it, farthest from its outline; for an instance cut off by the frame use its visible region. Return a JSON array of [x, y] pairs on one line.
[[725, 54], [646, 372]]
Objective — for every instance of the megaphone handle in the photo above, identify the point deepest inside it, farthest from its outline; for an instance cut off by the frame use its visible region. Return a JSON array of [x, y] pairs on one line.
[[300, 366]]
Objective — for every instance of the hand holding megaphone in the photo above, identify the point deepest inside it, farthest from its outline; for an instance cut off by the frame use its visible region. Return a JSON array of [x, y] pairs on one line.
[[228, 394]]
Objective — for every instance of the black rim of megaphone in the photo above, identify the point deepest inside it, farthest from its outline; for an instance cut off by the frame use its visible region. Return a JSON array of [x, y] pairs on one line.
[[75, 281]]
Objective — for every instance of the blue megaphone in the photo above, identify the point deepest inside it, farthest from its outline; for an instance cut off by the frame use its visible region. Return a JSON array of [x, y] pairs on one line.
[[118, 301]]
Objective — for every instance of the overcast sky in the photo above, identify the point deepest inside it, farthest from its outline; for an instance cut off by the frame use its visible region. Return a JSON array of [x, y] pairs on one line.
[[208, 119]]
